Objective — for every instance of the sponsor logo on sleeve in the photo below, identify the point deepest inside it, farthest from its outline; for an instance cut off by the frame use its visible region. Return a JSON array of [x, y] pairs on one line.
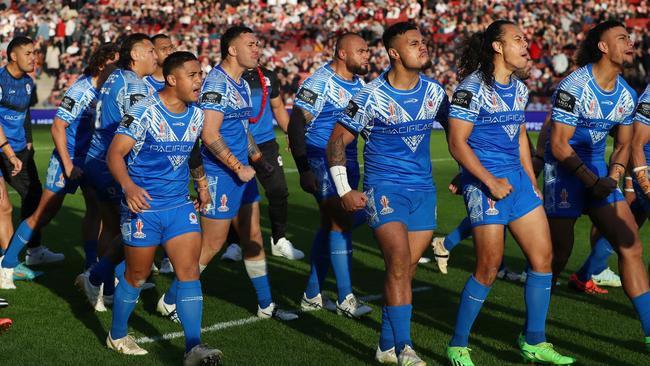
[[134, 98], [126, 121], [67, 104], [352, 109], [462, 98], [644, 109], [211, 97], [565, 101], [307, 96]]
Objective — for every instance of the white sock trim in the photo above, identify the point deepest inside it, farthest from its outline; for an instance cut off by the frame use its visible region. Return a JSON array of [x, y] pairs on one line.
[[255, 268]]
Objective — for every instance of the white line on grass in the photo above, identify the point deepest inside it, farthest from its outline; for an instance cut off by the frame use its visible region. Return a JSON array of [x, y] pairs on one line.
[[240, 322], [294, 170]]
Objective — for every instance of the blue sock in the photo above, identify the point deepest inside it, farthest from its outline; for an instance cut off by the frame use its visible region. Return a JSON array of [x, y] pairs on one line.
[[386, 338], [597, 260], [119, 270], [90, 249], [21, 237], [340, 253], [320, 262], [126, 297], [537, 295], [400, 321], [471, 301], [101, 271], [642, 306], [190, 310], [460, 233], [358, 218], [257, 272], [170, 295]]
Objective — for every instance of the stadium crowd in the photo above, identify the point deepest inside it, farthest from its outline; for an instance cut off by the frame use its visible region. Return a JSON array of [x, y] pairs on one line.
[[297, 35]]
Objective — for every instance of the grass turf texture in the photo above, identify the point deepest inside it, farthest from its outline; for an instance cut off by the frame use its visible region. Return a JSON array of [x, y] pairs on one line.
[[54, 325]]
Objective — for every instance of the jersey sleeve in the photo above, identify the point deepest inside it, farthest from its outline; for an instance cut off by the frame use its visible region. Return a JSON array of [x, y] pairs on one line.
[[134, 124], [566, 107], [358, 113], [71, 107], [214, 95], [442, 116], [311, 95], [275, 85], [465, 103], [642, 114]]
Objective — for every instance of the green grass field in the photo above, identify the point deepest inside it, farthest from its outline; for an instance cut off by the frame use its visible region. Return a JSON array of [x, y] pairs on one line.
[[53, 325]]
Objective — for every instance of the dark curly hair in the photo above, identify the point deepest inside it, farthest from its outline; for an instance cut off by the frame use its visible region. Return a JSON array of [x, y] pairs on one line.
[[102, 55], [477, 52]]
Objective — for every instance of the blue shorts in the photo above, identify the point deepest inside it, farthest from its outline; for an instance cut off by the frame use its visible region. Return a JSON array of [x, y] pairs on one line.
[[57, 182], [641, 203], [566, 196], [100, 178], [155, 227], [415, 208], [228, 194], [483, 210], [326, 188]]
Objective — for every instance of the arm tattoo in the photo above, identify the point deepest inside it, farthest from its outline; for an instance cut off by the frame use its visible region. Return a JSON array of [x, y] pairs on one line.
[[198, 174], [253, 150], [336, 151], [221, 151]]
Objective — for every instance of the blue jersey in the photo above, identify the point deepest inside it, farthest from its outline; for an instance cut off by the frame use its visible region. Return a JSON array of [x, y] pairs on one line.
[[396, 126], [15, 97], [154, 83], [325, 95], [222, 94], [581, 103], [77, 109], [158, 160], [497, 113], [262, 130], [642, 115], [120, 92]]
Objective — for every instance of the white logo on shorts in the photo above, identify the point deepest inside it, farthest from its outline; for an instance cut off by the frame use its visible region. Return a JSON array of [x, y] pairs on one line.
[[492, 211], [386, 209], [224, 207], [193, 219]]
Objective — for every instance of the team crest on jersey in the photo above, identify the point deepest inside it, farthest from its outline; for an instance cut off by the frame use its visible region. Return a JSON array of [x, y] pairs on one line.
[[511, 130], [61, 182], [138, 234], [193, 219], [430, 105], [385, 208], [596, 136], [237, 100], [491, 211], [28, 88], [224, 204], [564, 196], [343, 97]]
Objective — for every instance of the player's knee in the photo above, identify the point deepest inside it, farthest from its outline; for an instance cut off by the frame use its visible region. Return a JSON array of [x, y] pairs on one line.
[[189, 272], [486, 275], [631, 248]]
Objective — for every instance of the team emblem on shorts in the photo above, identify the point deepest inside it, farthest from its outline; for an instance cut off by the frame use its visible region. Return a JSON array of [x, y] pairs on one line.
[[564, 195], [386, 209], [193, 219], [492, 211], [61, 182], [224, 201], [138, 227]]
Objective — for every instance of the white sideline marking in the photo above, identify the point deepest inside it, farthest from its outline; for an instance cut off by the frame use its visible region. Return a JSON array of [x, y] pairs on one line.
[[294, 170], [244, 321]]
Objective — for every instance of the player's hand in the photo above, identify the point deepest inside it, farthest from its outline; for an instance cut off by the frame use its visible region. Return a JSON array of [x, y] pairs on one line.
[[603, 187], [204, 201], [454, 185], [354, 200], [308, 182], [246, 173], [538, 166], [74, 172], [30, 146], [499, 188], [18, 165], [136, 198]]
